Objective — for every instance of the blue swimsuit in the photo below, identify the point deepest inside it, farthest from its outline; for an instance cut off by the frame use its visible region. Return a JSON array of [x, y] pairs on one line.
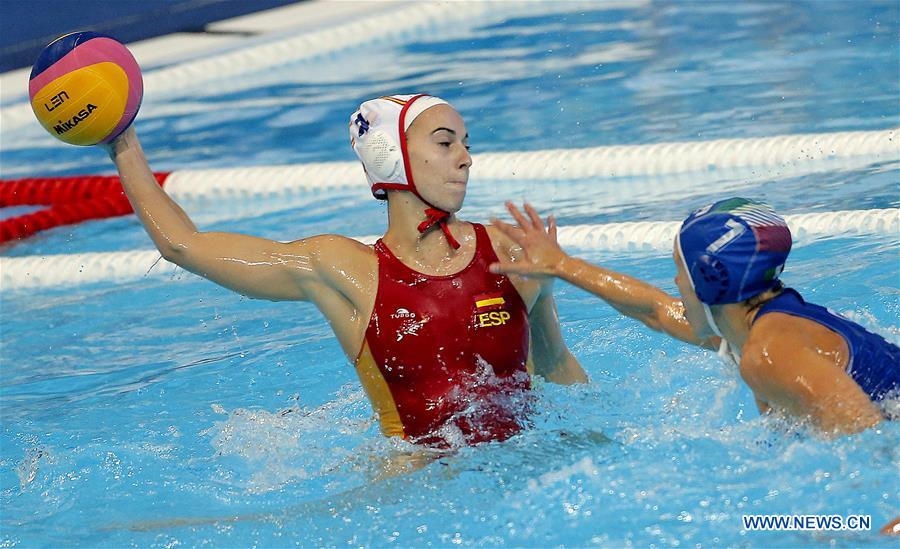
[[874, 362]]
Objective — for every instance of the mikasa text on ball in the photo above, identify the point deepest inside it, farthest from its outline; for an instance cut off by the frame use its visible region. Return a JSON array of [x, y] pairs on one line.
[[85, 88]]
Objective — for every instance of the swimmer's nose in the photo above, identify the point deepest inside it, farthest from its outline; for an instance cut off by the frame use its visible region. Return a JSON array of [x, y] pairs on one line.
[[467, 159]]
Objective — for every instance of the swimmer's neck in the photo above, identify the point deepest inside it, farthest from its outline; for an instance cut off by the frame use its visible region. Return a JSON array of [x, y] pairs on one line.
[[734, 320], [405, 213]]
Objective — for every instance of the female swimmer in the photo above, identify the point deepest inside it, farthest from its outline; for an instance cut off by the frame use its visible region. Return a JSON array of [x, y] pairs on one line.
[[442, 346], [798, 358]]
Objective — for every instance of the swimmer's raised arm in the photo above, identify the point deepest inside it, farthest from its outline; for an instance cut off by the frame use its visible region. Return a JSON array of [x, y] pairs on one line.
[[631, 296], [252, 266]]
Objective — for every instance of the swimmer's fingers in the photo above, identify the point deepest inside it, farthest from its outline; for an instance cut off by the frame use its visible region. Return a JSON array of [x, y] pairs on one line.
[[522, 268], [517, 215], [551, 228], [513, 233], [536, 220]]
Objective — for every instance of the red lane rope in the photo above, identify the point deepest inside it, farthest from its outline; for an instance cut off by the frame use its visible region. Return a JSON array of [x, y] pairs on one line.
[[71, 200], [55, 190]]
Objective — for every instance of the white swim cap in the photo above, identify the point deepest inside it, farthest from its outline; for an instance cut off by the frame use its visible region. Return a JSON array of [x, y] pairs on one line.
[[378, 136]]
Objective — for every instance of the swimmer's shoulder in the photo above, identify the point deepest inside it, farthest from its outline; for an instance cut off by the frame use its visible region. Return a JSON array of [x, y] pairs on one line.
[[770, 361], [338, 255], [764, 348], [327, 244], [779, 341]]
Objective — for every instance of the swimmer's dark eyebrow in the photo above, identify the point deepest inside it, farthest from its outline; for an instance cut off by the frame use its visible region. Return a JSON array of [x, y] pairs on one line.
[[448, 130]]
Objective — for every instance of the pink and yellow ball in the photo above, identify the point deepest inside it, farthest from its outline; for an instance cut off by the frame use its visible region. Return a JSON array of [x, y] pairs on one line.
[[85, 88]]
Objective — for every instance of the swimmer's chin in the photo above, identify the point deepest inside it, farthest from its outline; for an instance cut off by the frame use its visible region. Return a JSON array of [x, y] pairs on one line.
[[455, 195]]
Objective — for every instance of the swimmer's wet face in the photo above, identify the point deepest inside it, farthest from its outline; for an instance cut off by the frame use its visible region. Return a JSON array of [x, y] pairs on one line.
[[693, 308], [438, 147]]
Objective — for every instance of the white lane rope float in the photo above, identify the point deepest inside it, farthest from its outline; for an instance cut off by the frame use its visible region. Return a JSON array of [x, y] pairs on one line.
[[660, 159], [653, 171], [17, 273]]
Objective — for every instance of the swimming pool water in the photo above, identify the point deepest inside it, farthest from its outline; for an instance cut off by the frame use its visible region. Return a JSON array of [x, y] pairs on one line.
[[137, 421], [169, 412]]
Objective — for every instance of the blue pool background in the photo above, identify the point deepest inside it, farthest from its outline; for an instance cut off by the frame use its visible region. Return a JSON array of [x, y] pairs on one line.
[[26, 27], [148, 413]]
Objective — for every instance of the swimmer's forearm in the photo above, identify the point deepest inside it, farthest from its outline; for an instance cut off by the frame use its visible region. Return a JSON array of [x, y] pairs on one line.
[[630, 296], [167, 224]]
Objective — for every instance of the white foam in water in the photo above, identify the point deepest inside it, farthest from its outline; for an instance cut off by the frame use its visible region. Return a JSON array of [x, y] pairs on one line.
[[269, 442], [293, 444], [27, 468], [583, 467]]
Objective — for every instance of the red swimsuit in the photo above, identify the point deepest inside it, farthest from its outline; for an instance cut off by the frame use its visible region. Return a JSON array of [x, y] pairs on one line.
[[444, 357]]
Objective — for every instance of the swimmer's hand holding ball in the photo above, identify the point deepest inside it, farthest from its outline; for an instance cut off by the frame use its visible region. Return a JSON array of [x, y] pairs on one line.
[[85, 88]]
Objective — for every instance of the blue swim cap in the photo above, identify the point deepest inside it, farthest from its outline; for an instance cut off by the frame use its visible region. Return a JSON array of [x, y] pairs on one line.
[[733, 249]]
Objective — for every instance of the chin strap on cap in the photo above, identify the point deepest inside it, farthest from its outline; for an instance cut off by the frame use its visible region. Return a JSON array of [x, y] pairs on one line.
[[437, 216]]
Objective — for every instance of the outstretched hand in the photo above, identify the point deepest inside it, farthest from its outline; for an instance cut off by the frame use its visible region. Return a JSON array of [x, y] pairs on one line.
[[541, 253]]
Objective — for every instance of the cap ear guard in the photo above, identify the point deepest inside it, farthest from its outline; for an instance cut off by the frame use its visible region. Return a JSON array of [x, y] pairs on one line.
[[710, 279], [379, 152], [380, 155], [691, 273]]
